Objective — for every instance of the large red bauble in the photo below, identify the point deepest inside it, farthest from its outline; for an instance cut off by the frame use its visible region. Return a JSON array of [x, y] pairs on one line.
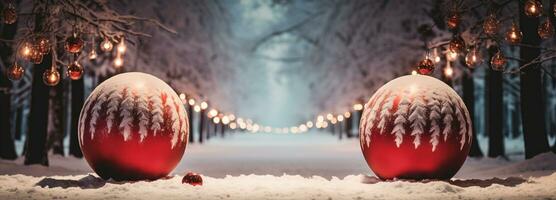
[[133, 126], [415, 127]]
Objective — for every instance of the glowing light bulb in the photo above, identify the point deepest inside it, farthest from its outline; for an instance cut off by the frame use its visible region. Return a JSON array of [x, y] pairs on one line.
[[533, 8], [197, 108], [106, 45], [347, 115], [118, 61], [191, 102], [358, 106], [340, 118], [204, 105], [92, 55], [309, 124], [233, 125], [182, 96], [216, 120], [448, 71], [121, 48]]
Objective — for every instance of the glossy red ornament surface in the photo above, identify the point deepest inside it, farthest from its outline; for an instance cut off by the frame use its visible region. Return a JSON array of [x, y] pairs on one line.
[[425, 67], [74, 44], [192, 179], [415, 127], [75, 71], [133, 127]]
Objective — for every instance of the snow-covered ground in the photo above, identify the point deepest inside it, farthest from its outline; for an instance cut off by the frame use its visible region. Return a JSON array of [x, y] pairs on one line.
[[272, 166]]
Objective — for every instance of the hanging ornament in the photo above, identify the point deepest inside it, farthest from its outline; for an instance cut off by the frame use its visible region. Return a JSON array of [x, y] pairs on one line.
[[453, 20], [9, 13], [51, 77], [491, 25], [498, 61], [451, 56], [473, 58], [436, 56], [42, 45], [514, 35], [457, 44], [118, 61], [546, 30], [36, 56], [448, 70], [15, 72], [75, 71], [92, 55], [74, 43], [121, 48], [25, 50], [425, 66], [106, 45], [533, 8]]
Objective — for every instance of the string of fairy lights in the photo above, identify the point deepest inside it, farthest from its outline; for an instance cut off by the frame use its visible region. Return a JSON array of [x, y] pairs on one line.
[[235, 122]]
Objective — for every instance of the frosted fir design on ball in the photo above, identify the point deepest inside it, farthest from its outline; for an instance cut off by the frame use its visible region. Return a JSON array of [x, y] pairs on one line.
[[133, 126], [135, 97], [413, 103], [415, 127]]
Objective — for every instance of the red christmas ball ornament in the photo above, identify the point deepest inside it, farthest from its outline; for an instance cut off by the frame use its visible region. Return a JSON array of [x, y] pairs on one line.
[[74, 43], [9, 14], [75, 71], [133, 126], [15, 72], [425, 66], [51, 77], [192, 179], [415, 127]]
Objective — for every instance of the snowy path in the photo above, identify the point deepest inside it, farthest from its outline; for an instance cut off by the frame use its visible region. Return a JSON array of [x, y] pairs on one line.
[[311, 161]]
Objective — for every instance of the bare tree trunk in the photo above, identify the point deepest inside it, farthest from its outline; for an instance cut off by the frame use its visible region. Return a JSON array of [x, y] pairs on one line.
[[348, 126], [7, 147], [191, 113], [202, 128], [534, 133], [56, 126], [77, 100], [35, 147], [495, 106], [469, 100]]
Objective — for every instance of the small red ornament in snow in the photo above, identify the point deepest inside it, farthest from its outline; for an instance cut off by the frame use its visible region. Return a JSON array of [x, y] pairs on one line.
[[193, 179], [415, 127], [133, 126]]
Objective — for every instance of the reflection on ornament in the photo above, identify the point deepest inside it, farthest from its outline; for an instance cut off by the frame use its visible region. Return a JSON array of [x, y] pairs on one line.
[[473, 58], [75, 71], [498, 61], [25, 50], [452, 56], [514, 35], [92, 55], [546, 30], [42, 44], [457, 44], [106, 45], [533, 8], [51, 77], [453, 21], [425, 66], [491, 25], [74, 43], [9, 14], [415, 127], [36, 56], [15, 72]]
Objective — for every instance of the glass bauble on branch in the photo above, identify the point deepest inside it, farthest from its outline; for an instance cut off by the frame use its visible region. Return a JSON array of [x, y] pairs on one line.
[[15, 72], [533, 8], [498, 61], [51, 77], [75, 71], [473, 58], [425, 66], [42, 45], [546, 30], [491, 25], [74, 43], [9, 14], [457, 44], [36, 56], [514, 35]]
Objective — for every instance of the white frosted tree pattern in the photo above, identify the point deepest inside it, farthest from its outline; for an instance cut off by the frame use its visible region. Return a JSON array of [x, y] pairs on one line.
[[400, 119], [447, 120], [111, 111], [417, 119], [126, 113], [95, 111], [434, 117], [462, 125], [370, 115], [156, 112], [385, 111], [174, 119], [143, 114]]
